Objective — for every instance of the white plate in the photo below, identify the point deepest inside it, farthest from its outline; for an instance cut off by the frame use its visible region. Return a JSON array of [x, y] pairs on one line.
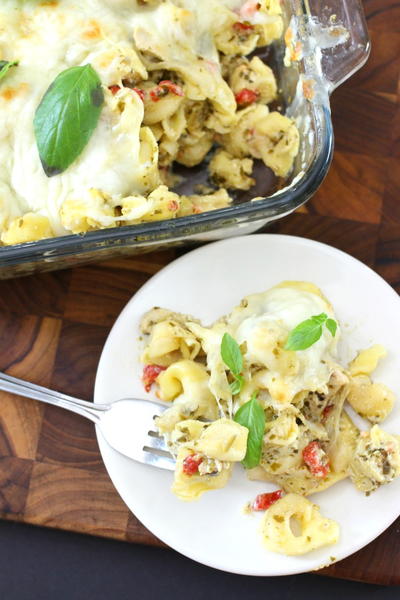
[[207, 283]]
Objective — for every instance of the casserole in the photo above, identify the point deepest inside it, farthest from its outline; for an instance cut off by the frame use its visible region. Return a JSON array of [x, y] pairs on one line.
[[334, 43]]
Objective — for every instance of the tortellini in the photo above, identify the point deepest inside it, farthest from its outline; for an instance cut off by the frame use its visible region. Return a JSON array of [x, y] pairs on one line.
[[199, 203], [165, 106], [184, 377], [256, 76], [91, 211], [230, 172], [191, 487], [293, 525], [376, 460], [263, 134], [28, 228], [183, 409], [236, 40], [170, 341], [367, 360], [224, 440], [283, 431], [374, 401], [192, 150], [272, 27], [186, 382], [178, 87], [186, 433]]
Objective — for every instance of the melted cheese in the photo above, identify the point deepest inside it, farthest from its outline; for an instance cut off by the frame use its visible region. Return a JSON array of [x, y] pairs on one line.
[[49, 37], [264, 325], [46, 39]]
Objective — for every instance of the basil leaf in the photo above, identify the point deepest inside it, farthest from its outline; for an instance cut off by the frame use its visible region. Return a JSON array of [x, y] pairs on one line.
[[5, 66], [252, 416], [320, 319], [309, 331], [304, 335], [331, 326], [231, 355], [236, 386], [67, 116]]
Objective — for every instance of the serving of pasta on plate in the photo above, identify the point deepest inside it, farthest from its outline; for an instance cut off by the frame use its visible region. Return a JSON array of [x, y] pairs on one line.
[[99, 99], [263, 386]]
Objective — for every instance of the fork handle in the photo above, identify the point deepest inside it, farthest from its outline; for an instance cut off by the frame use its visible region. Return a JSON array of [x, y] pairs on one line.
[[20, 387]]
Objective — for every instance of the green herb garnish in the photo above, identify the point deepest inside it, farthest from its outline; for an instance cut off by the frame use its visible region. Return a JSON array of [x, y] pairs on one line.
[[331, 326], [309, 331], [67, 117], [252, 416], [232, 357], [5, 66]]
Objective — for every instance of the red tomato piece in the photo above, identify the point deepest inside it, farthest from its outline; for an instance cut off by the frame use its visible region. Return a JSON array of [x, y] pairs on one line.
[[150, 374], [173, 205], [114, 89], [264, 501], [157, 93], [325, 412], [190, 465], [246, 97], [139, 92], [172, 87], [163, 88], [241, 27], [316, 460]]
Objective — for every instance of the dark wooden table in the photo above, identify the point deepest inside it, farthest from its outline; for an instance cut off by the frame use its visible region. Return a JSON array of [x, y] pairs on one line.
[[53, 326]]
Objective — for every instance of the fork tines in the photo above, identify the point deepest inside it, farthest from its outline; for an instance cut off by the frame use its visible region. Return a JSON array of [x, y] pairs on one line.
[[156, 451]]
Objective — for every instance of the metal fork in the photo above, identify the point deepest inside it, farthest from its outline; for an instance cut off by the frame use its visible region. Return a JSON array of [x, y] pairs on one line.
[[126, 424]]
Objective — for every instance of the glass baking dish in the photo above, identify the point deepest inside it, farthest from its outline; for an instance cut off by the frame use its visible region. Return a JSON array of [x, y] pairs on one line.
[[331, 42]]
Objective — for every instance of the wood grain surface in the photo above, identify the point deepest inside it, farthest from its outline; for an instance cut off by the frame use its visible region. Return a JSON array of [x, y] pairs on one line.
[[53, 326]]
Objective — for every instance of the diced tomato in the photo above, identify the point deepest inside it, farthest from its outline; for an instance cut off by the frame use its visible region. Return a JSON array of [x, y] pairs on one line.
[[163, 88], [264, 501], [157, 93], [114, 89], [325, 412], [173, 205], [316, 460], [242, 27], [246, 97], [172, 87], [190, 465], [150, 374], [139, 92]]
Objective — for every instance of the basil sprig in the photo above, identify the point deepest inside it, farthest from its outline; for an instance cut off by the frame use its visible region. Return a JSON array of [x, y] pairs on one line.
[[5, 66], [306, 333], [67, 116], [232, 357], [252, 416]]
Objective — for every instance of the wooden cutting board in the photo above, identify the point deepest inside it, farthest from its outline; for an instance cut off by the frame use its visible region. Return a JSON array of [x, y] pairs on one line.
[[53, 326]]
